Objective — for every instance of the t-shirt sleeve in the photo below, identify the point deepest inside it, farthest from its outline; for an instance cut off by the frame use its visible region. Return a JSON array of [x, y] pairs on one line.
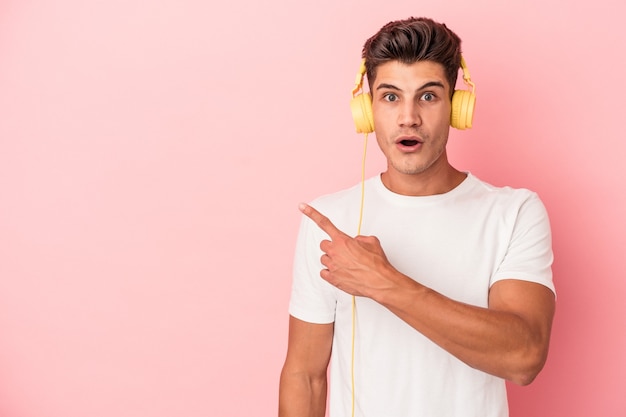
[[529, 255], [312, 299]]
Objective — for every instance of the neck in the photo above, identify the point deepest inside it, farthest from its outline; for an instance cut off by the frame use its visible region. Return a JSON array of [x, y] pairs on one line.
[[425, 183]]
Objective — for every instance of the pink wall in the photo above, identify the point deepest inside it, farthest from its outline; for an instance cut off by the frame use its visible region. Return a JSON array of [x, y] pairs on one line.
[[152, 158]]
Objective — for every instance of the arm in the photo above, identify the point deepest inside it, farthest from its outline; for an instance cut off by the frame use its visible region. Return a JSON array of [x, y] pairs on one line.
[[303, 383], [508, 339]]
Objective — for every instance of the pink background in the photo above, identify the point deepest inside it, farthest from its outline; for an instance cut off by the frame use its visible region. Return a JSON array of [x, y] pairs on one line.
[[152, 156]]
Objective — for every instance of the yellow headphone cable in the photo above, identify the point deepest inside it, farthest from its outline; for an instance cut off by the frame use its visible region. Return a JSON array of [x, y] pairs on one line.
[[353, 297]]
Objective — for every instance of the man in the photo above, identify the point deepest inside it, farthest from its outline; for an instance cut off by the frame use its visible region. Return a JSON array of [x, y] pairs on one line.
[[451, 276]]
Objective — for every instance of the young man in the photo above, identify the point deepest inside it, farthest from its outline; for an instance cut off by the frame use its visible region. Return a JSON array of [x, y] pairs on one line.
[[451, 276]]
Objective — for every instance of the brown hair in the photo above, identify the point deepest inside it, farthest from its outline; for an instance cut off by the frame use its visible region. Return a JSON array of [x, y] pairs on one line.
[[411, 40]]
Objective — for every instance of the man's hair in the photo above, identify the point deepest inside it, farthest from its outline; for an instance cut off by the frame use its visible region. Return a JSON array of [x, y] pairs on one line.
[[411, 40]]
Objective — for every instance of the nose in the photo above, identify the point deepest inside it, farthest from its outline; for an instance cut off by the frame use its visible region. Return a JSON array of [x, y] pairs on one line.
[[409, 114]]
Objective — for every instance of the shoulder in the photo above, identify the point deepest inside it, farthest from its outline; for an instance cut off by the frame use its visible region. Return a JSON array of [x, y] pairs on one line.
[[339, 198], [343, 207], [505, 195]]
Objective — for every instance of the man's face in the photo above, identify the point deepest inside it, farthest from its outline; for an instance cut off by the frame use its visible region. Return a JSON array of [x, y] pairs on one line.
[[411, 107]]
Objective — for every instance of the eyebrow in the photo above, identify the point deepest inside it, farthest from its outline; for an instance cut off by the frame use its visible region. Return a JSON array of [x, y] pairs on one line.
[[427, 85]]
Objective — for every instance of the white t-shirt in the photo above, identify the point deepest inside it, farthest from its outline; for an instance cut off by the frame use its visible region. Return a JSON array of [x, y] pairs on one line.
[[459, 244]]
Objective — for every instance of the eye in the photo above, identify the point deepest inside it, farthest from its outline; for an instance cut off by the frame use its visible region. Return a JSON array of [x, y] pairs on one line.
[[428, 97], [390, 97]]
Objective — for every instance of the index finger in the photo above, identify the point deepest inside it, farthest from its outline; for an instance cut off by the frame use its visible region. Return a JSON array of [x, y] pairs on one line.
[[322, 221]]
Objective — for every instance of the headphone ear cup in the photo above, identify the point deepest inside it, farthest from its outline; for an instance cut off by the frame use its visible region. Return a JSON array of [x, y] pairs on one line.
[[463, 102], [361, 106]]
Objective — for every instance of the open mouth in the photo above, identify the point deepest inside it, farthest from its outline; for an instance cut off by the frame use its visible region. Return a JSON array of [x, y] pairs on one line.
[[409, 142]]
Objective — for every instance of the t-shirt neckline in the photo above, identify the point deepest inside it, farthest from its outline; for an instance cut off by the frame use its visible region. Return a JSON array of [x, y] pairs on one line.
[[464, 186]]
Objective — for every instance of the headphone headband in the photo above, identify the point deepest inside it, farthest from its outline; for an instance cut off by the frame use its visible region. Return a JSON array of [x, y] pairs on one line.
[[466, 75], [358, 83]]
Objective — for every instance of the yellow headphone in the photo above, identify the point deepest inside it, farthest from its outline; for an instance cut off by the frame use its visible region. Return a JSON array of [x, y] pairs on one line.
[[463, 103]]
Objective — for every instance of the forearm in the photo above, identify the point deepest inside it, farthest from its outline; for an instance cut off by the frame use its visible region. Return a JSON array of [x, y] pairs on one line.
[[499, 342], [301, 395]]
